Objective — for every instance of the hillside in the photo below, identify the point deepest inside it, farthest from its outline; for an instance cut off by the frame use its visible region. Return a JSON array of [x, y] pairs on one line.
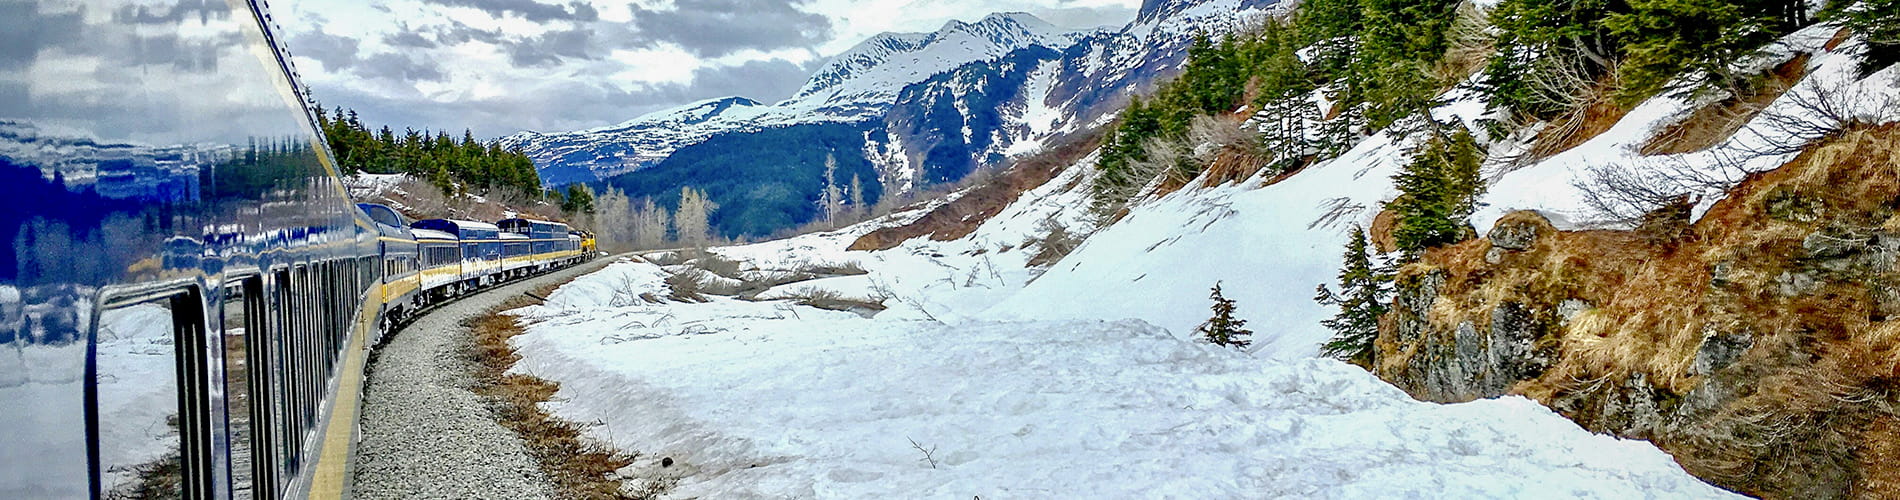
[[1679, 251]]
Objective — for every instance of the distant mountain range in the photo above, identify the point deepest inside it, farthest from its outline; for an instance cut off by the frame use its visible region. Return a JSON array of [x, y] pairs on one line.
[[900, 110]]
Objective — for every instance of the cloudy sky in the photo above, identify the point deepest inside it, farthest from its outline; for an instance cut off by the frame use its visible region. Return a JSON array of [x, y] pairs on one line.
[[499, 66]]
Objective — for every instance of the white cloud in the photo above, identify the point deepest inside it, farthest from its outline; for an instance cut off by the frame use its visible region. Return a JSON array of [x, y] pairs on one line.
[[666, 63], [494, 61]]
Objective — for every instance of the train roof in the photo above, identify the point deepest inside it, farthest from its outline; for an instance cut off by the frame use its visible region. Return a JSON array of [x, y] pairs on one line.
[[432, 234], [469, 224], [525, 219], [529, 222]]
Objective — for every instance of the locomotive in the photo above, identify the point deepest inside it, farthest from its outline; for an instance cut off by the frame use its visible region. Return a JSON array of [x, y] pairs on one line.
[[188, 295]]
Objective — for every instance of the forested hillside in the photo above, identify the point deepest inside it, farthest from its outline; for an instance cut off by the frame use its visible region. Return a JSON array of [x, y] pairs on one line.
[[452, 165]]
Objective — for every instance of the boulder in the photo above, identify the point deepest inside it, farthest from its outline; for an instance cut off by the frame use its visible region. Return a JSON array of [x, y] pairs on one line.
[[1519, 231]]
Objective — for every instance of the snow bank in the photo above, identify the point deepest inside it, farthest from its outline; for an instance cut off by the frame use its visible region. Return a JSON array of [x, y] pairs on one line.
[[756, 400]]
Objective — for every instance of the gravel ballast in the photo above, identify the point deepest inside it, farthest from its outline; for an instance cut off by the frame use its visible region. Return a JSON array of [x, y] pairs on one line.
[[424, 432]]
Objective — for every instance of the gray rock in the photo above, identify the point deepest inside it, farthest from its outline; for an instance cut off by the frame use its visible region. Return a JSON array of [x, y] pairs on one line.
[[1570, 308], [1494, 256], [1823, 245], [1635, 409], [1719, 350], [1886, 297], [1721, 273], [1516, 234], [1513, 347], [1794, 283]]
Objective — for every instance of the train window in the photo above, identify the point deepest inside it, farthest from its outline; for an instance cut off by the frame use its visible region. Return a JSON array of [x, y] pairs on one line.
[[281, 438], [149, 405], [245, 365]]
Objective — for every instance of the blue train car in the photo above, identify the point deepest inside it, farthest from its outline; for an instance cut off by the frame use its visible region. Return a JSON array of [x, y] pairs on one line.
[[548, 243], [481, 247]]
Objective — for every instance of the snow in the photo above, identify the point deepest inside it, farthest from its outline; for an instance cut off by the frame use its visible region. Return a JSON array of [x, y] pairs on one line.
[[137, 388], [1550, 186], [364, 185], [771, 400], [1036, 115], [983, 380]]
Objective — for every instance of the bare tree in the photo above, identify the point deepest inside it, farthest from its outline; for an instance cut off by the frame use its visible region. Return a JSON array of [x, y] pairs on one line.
[[857, 199], [613, 220], [831, 201], [649, 225], [1814, 112], [691, 219]]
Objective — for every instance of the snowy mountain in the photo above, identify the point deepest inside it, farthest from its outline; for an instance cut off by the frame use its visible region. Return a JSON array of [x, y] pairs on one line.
[[931, 106], [856, 86]]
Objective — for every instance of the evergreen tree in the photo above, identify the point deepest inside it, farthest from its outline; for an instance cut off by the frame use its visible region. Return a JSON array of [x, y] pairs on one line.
[[1703, 38], [578, 199], [1223, 329], [1399, 43], [1438, 191], [1285, 132], [1878, 23], [1548, 43], [451, 165], [1361, 299]]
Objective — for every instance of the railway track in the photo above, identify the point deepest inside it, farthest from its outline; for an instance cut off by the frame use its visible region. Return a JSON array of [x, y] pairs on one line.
[[423, 432]]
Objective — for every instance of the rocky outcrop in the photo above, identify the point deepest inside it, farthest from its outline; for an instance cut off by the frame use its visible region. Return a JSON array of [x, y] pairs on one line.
[[1486, 355], [1759, 345]]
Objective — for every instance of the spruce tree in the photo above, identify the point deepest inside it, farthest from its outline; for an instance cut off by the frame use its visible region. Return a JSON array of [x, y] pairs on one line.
[[1878, 23], [1703, 38], [1361, 299], [1438, 191], [1552, 41], [1223, 329]]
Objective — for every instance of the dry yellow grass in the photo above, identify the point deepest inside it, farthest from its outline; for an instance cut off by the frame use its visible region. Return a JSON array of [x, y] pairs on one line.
[[580, 468], [1825, 363]]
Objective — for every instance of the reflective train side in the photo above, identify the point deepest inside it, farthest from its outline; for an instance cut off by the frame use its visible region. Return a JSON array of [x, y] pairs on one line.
[[188, 296]]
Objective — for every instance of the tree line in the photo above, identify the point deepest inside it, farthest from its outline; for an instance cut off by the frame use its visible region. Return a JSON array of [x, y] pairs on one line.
[[455, 166]]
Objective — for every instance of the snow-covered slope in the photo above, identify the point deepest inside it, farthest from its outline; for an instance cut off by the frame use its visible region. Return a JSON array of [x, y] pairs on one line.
[[988, 377], [1269, 249], [762, 400]]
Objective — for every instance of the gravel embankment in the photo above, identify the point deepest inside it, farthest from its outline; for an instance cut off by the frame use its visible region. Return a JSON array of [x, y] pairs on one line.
[[425, 434]]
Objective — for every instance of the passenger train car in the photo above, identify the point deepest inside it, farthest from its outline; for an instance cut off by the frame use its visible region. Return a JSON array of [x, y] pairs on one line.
[[187, 293]]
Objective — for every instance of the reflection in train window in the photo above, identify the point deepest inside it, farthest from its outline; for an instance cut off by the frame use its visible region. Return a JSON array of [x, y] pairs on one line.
[[137, 366]]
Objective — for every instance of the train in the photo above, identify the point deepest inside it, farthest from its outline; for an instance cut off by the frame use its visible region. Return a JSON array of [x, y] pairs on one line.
[[188, 293], [430, 261]]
